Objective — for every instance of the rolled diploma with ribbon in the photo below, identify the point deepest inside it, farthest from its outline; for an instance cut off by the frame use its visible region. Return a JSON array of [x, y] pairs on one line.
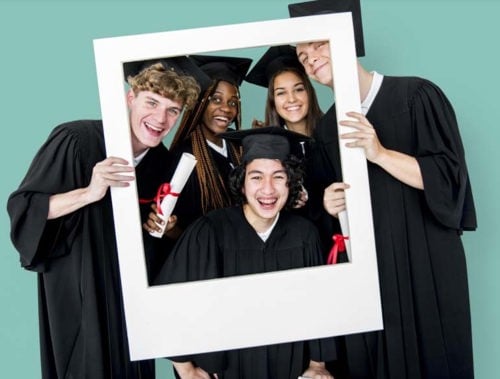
[[340, 241], [344, 226], [177, 183]]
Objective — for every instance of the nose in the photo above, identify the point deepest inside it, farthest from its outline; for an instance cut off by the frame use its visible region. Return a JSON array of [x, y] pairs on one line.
[[160, 115], [225, 107], [313, 59], [267, 186]]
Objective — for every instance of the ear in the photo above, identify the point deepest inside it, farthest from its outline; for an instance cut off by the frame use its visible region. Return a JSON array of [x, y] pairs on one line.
[[130, 97], [243, 186]]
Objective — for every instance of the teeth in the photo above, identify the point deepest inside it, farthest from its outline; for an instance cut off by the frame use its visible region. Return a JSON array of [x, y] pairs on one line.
[[154, 127], [225, 119], [268, 202]]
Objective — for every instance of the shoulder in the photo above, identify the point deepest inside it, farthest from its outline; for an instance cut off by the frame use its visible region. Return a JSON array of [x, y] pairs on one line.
[[295, 222], [325, 124], [183, 147], [224, 214], [79, 129], [410, 87]]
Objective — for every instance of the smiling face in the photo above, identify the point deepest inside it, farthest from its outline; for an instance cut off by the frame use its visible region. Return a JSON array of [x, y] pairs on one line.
[[315, 57], [291, 100], [220, 112], [266, 192], [151, 117]]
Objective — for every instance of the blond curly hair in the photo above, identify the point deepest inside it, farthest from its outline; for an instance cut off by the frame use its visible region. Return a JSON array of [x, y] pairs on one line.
[[167, 83]]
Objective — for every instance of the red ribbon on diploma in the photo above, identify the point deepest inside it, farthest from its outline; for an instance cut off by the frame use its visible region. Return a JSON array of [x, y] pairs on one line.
[[163, 191], [338, 246]]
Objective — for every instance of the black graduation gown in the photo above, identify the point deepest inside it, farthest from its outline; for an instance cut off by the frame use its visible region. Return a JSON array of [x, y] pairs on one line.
[[313, 209], [223, 244], [155, 169], [188, 207], [421, 261], [82, 325]]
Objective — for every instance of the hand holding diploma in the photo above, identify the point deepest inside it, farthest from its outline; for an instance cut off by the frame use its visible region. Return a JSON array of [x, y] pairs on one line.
[[334, 203], [169, 192]]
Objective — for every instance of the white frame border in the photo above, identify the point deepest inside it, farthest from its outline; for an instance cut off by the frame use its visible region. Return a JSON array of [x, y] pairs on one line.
[[256, 309]]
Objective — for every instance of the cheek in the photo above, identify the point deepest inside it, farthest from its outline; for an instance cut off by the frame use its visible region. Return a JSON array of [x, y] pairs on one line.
[[278, 102]]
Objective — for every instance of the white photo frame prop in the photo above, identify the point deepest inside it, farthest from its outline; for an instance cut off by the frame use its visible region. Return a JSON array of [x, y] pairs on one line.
[[250, 310]]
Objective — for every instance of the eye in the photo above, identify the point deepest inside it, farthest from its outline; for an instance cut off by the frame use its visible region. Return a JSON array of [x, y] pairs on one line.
[[319, 44], [280, 177], [151, 103], [174, 112], [233, 103], [279, 93], [300, 89], [216, 100]]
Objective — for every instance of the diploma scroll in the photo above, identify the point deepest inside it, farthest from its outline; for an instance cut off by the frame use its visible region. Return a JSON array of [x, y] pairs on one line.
[[177, 183], [344, 226]]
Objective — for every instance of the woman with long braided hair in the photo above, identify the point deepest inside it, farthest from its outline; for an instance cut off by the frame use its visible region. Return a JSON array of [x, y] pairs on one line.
[[218, 107]]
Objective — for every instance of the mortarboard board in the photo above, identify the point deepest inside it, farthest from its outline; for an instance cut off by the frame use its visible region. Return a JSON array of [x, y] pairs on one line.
[[311, 8], [182, 65], [270, 142], [274, 59], [229, 69]]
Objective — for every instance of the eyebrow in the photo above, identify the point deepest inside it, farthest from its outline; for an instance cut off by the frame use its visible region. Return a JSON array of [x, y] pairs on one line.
[[221, 93], [262, 172], [299, 83]]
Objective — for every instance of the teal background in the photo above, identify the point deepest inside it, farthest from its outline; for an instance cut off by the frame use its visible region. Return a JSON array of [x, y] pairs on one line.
[[48, 76]]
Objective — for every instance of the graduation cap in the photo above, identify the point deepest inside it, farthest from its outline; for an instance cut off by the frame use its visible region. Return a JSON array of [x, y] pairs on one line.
[[311, 8], [182, 65], [229, 69], [270, 142], [275, 59]]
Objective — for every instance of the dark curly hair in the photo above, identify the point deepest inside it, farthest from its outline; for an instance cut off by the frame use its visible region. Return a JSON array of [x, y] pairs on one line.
[[295, 176]]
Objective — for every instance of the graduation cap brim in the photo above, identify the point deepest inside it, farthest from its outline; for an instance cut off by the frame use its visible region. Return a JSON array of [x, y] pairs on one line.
[[312, 8], [271, 142], [182, 65], [275, 59], [230, 69]]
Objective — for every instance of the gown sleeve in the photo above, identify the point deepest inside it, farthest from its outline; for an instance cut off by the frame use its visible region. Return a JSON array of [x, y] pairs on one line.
[[53, 170], [195, 256], [440, 154]]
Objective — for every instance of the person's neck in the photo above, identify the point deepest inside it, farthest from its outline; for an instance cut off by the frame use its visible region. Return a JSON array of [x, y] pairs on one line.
[[138, 149], [260, 225], [298, 127], [365, 82], [365, 79], [212, 137]]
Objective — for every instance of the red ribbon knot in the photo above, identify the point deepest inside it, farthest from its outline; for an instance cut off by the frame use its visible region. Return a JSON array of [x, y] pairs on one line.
[[164, 190], [338, 246]]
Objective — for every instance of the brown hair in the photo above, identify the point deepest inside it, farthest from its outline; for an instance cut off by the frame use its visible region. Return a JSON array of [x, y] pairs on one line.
[[314, 112]]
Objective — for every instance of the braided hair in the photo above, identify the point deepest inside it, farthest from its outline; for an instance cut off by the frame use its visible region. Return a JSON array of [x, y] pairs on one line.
[[214, 191]]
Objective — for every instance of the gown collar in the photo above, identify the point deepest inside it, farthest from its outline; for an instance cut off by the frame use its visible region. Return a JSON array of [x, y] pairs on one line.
[[372, 93]]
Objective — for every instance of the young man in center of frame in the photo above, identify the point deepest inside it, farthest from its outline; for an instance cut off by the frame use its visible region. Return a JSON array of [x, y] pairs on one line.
[[256, 236]]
